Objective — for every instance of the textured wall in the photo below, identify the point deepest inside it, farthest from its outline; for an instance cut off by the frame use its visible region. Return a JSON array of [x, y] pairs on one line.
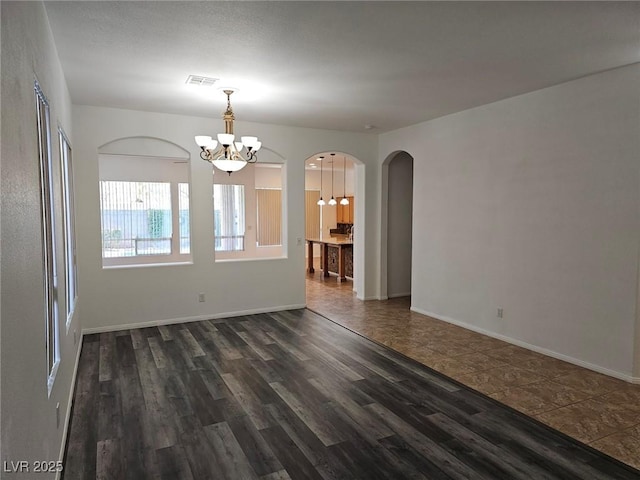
[[29, 429], [531, 204]]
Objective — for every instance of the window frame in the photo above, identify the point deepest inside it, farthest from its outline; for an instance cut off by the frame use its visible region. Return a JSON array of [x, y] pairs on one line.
[[142, 172], [47, 213], [256, 177], [69, 227]]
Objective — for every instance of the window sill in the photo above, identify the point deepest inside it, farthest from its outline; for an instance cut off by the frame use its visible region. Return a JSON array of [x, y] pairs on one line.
[[145, 265], [52, 377], [254, 259], [71, 314]]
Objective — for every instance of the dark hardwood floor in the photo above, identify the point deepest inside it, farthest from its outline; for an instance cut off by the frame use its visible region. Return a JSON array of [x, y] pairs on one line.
[[294, 395]]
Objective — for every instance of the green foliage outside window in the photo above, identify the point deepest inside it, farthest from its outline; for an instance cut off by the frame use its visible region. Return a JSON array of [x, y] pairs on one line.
[[155, 222]]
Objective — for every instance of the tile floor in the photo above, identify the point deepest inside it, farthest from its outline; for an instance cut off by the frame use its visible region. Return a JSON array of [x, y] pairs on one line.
[[598, 410]]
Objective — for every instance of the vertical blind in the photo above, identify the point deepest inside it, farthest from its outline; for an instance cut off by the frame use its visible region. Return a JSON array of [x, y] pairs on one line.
[[229, 217], [312, 213], [269, 213], [136, 218], [183, 219]]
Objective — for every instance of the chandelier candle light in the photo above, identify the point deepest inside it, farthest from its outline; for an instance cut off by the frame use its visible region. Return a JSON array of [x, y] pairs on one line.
[[227, 157]]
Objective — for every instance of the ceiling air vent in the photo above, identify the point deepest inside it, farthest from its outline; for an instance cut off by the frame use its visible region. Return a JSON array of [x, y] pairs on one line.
[[202, 81]]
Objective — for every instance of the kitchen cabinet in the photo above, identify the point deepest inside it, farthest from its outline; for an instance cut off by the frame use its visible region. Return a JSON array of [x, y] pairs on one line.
[[336, 256], [345, 213], [340, 260]]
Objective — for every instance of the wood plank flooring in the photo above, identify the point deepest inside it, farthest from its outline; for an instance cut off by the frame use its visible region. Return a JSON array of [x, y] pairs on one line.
[[294, 395], [596, 409]]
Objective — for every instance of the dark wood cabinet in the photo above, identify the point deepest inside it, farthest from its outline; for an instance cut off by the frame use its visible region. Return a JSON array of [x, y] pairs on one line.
[[333, 259], [336, 256]]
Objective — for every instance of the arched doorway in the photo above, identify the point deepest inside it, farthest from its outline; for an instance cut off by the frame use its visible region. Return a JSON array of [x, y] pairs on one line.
[[397, 220], [340, 176]]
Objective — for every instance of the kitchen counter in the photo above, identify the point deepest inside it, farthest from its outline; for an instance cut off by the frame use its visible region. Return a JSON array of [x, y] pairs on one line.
[[344, 246], [337, 239]]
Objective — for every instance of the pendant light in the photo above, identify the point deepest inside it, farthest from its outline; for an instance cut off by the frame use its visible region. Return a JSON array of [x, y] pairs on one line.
[[333, 200], [345, 200], [321, 202]]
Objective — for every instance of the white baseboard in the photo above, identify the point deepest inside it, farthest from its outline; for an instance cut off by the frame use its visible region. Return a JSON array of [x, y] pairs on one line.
[[396, 295], [535, 348], [67, 417], [387, 297], [197, 318]]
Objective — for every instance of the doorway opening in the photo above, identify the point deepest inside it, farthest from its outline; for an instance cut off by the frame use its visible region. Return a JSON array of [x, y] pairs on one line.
[[334, 196]]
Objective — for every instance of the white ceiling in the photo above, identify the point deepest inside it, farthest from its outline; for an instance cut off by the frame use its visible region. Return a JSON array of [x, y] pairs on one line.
[[335, 65]]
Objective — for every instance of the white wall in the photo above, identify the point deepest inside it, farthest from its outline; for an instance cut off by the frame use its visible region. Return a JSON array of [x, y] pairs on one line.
[[28, 417], [140, 169], [340, 182], [268, 175], [399, 220], [136, 295], [531, 204]]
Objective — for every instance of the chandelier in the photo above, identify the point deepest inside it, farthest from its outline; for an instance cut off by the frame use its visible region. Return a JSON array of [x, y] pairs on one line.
[[224, 153]]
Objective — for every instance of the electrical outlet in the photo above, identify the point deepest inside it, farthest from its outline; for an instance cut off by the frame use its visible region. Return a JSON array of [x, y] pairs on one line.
[[500, 313], [201, 297], [58, 415], [299, 241]]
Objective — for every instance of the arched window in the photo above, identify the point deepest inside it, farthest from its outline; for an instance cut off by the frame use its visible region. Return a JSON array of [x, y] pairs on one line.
[[144, 203]]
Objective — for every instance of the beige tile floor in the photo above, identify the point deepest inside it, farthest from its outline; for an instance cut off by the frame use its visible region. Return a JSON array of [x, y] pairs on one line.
[[598, 410]]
